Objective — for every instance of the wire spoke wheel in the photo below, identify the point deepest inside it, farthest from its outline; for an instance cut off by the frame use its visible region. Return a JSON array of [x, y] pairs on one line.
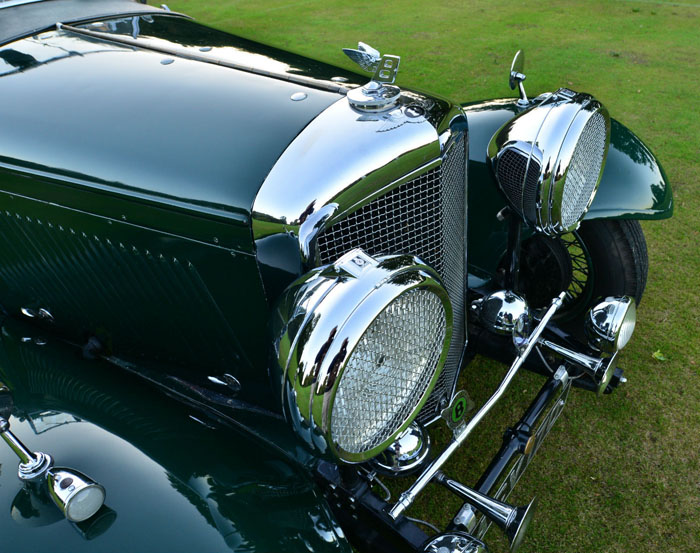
[[602, 258]]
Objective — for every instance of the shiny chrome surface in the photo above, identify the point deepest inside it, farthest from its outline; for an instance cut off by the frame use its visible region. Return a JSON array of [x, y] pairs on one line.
[[376, 95], [365, 56], [601, 370], [517, 76], [500, 311], [455, 542], [76, 495], [512, 520], [610, 324], [408, 451], [424, 217], [372, 156], [408, 497], [549, 159], [327, 321]]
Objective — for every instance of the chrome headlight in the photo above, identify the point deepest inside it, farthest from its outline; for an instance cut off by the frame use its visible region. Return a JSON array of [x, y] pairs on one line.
[[610, 324], [549, 160], [360, 346]]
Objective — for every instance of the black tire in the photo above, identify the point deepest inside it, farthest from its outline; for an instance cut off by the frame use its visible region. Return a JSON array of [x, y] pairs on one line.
[[618, 251], [602, 258]]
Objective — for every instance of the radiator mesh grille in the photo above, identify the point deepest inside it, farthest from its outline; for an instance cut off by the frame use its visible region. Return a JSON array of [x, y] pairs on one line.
[[423, 217]]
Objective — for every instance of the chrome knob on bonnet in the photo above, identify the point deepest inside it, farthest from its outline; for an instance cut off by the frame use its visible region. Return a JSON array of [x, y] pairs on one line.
[[379, 94]]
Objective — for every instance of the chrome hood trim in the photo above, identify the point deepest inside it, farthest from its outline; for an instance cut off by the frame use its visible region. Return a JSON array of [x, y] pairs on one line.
[[345, 158]]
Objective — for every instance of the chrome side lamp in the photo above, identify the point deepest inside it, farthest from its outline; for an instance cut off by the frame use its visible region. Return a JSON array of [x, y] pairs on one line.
[[76, 495], [610, 324]]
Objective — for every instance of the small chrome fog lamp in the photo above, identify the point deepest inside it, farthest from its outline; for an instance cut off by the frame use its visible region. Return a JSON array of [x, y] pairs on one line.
[[360, 346], [77, 496], [610, 324]]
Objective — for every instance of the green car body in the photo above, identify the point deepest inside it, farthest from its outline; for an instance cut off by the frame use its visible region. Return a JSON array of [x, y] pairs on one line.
[[128, 180]]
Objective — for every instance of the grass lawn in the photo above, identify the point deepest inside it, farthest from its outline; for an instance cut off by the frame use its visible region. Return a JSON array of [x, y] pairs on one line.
[[619, 473]]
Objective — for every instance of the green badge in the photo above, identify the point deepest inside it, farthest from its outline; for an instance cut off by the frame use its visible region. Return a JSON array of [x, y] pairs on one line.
[[456, 411], [459, 408]]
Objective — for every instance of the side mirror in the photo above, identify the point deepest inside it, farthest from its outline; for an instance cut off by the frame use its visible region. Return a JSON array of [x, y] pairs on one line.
[[516, 77]]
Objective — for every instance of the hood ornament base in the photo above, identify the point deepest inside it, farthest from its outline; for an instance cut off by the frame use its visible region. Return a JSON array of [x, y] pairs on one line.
[[378, 94]]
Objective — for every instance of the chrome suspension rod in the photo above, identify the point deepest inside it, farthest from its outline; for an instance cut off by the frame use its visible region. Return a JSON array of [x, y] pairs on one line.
[[408, 497]]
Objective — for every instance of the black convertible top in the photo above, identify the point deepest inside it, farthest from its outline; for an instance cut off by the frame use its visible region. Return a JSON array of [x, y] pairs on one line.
[[18, 21]]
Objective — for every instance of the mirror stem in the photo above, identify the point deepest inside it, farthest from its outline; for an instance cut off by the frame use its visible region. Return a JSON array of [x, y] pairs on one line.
[[523, 101]]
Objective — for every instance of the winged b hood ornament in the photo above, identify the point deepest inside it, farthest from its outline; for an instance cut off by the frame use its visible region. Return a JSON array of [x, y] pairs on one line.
[[378, 94], [365, 56]]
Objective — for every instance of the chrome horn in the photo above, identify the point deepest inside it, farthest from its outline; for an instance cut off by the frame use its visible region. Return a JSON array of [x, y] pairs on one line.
[[600, 369], [512, 520]]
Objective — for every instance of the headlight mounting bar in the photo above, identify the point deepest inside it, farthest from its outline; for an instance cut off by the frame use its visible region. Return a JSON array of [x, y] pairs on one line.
[[408, 497]]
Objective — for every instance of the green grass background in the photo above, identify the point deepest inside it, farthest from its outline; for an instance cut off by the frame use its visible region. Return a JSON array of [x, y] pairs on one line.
[[618, 473]]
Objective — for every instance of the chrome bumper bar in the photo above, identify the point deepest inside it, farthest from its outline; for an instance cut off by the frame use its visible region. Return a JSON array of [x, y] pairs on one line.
[[461, 434]]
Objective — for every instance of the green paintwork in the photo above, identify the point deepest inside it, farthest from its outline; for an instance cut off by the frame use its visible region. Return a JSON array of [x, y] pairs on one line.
[[130, 183], [188, 137], [175, 484], [633, 186]]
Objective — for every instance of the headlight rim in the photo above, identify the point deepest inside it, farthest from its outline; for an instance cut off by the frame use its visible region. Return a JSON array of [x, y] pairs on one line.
[[329, 397], [308, 392], [554, 223], [547, 134]]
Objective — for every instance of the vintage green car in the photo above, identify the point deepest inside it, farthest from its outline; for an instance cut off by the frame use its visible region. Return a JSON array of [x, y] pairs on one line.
[[239, 285]]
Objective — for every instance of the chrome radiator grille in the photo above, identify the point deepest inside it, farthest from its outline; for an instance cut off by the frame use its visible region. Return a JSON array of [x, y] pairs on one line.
[[423, 217]]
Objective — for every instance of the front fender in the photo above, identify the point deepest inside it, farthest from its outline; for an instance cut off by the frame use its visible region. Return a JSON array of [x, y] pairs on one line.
[[633, 186], [175, 480]]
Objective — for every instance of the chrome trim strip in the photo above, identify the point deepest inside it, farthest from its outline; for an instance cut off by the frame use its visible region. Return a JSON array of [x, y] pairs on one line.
[[408, 497], [187, 54]]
